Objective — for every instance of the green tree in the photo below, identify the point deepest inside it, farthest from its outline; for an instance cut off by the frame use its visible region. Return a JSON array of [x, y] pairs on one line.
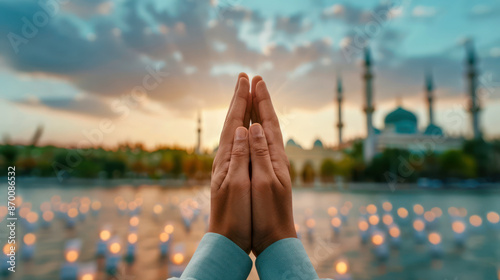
[[457, 164], [328, 170], [308, 173]]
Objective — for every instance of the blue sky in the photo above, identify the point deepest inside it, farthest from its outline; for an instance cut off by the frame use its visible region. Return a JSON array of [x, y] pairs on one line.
[[69, 65]]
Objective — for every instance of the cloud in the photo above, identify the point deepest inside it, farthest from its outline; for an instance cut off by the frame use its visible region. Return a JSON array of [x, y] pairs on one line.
[[424, 12]]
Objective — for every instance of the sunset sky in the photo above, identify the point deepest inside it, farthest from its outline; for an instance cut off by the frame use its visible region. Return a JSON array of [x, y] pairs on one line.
[[71, 64]]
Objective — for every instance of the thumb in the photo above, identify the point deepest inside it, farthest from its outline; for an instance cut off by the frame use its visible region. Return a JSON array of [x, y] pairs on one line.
[[240, 154], [259, 152]]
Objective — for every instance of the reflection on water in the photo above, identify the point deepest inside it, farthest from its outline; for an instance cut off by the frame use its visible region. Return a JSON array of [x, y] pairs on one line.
[[348, 235]]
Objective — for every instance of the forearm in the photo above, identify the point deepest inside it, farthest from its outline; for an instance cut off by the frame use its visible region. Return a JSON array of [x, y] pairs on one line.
[[217, 258], [285, 259]]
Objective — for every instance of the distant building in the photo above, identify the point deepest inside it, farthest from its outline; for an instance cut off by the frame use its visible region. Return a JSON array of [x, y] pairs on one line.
[[300, 156]]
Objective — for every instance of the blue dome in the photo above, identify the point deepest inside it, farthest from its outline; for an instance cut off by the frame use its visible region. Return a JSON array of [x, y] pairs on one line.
[[290, 142], [318, 143], [398, 115], [401, 121], [433, 129]]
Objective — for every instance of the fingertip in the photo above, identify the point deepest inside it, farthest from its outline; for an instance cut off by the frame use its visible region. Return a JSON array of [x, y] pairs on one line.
[[256, 130], [242, 75], [243, 83], [241, 133]]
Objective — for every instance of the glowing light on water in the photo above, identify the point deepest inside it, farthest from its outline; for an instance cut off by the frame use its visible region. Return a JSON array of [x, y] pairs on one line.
[[458, 226], [434, 238], [48, 216], [462, 212], [45, 206], [429, 216], [88, 277], [344, 210], [341, 267], [115, 248], [418, 209], [105, 235], [371, 209], [6, 248], [157, 209], [377, 239], [402, 212], [395, 232], [493, 217], [374, 220], [418, 225], [387, 219], [475, 220], [134, 221], [437, 211], [169, 229], [453, 211], [332, 211], [387, 206], [336, 222], [71, 256], [132, 238], [178, 258], [96, 205], [164, 237], [32, 217], [72, 212], [29, 239], [363, 225]]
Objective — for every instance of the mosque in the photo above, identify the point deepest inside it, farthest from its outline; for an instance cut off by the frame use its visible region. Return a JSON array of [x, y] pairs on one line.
[[400, 126]]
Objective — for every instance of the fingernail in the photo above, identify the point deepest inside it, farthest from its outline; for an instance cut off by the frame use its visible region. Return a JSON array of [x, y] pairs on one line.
[[256, 130], [241, 133]]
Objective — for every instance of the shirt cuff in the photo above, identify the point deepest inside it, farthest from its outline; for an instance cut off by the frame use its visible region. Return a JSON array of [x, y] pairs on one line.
[[285, 259], [217, 257]]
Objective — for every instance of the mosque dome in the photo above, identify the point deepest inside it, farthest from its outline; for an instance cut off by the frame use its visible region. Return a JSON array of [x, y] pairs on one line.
[[291, 142], [401, 121], [433, 129], [318, 144]]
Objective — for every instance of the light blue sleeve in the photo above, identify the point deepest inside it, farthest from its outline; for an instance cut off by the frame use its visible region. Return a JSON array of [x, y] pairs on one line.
[[217, 257], [285, 259]]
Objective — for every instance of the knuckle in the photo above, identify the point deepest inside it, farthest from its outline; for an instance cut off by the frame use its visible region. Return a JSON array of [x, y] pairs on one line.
[[239, 151], [261, 151]]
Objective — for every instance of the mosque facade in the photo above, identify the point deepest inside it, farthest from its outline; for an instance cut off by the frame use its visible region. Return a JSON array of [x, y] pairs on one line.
[[401, 127]]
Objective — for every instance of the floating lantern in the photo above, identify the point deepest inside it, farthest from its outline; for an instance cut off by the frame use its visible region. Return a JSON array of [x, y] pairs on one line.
[[418, 209], [458, 228], [435, 244], [371, 209], [453, 211], [134, 221], [336, 224], [157, 210], [403, 215], [387, 206], [342, 270], [114, 256], [88, 271], [71, 217], [380, 249], [177, 261], [83, 210], [31, 219], [69, 270], [169, 228], [437, 211], [430, 219], [494, 219], [387, 219], [131, 248], [344, 213], [164, 244], [476, 222], [47, 218], [374, 220], [102, 244], [419, 227], [28, 250], [395, 234], [96, 207], [332, 211], [363, 230]]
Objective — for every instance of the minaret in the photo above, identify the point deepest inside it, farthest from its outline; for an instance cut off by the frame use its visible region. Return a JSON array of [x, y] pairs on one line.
[[339, 102], [369, 147], [474, 107], [429, 89], [198, 142]]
